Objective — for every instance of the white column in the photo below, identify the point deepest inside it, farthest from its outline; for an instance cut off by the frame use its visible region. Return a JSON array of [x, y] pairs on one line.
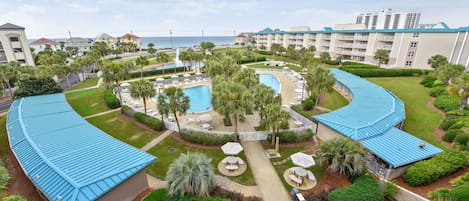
[[454, 47], [462, 48]]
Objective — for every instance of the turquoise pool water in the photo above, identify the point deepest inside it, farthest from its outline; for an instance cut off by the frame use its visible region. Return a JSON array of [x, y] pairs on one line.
[[271, 81], [200, 98]]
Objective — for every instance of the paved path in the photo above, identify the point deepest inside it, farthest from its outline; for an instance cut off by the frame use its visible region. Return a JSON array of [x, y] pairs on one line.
[[102, 113], [229, 185], [266, 177], [156, 140], [82, 89]]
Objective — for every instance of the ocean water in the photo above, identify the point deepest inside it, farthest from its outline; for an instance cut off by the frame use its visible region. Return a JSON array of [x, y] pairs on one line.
[[177, 41]]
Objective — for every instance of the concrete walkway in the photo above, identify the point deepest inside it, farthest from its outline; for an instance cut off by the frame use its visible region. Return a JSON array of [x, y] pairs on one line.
[[82, 89], [102, 113], [156, 140], [266, 177]]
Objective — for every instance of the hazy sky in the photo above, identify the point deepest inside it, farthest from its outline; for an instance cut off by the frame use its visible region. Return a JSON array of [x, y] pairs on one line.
[[88, 18]]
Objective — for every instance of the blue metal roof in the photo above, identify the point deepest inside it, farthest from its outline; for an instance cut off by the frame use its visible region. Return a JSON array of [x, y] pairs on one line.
[[370, 117], [446, 29], [64, 156]]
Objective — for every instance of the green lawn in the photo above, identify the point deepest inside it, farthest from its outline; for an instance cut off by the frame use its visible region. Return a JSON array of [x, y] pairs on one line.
[[166, 156], [123, 129], [317, 170], [4, 147], [160, 195], [87, 83], [420, 119], [87, 102], [334, 100]]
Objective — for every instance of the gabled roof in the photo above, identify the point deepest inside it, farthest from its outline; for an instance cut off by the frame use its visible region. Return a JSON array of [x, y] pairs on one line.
[[44, 41], [266, 31], [371, 118], [10, 26], [63, 155], [104, 36], [127, 35]]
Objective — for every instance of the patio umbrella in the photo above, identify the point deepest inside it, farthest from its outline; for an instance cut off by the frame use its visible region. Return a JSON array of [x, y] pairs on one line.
[[198, 73], [303, 160], [160, 79], [205, 118], [186, 75], [231, 148], [125, 84], [174, 76]]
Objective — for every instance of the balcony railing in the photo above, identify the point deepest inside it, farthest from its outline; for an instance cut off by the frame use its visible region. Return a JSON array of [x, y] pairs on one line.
[[387, 47], [347, 38], [388, 38], [360, 45], [361, 38]]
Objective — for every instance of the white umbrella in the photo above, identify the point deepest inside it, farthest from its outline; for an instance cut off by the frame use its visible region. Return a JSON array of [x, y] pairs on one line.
[[298, 90], [198, 73], [231, 148], [186, 75], [160, 79], [303, 160], [205, 118], [174, 76], [125, 84]]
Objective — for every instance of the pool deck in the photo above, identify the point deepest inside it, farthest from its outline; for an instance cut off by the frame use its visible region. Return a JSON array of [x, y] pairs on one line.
[[287, 92]]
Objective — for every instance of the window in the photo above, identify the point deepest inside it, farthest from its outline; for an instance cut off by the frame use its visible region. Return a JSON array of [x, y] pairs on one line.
[[387, 21], [411, 54], [17, 50], [1, 46], [14, 39], [416, 35], [413, 44], [408, 63], [3, 56], [396, 21], [22, 61]]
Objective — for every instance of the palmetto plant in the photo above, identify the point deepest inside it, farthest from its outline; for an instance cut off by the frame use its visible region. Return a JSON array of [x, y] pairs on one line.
[[191, 174], [274, 117], [342, 155], [173, 100], [319, 80], [142, 89]]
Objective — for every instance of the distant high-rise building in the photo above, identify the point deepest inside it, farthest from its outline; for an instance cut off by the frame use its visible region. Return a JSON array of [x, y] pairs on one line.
[[14, 45], [386, 19]]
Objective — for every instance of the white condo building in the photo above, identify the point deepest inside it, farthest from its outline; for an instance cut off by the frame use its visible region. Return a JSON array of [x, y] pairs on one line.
[[42, 43], [408, 48], [14, 45], [386, 19], [83, 45]]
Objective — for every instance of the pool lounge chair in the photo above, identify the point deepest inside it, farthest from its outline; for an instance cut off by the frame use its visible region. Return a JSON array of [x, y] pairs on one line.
[[295, 179], [311, 176]]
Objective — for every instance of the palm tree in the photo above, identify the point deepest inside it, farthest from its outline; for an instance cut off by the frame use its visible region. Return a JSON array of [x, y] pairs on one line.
[[437, 61], [307, 61], [191, 174], [342, 155], [263, 95], [382, 56], [176, 102], [247, 77], [142, 89], [449, 72], [8, 72], [275, 49], [151, 50], [142, 61], [113, 73], [162, 106], [461, 86], [325, 57], [319, 80], [312, 49], [274, 117], [232, 99], [162, 57]]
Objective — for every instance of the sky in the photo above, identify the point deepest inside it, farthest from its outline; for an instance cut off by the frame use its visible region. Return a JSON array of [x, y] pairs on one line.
[[89, 18]]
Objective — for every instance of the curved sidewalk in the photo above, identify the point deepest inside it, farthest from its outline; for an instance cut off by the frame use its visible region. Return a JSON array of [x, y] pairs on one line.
[[266, 177]]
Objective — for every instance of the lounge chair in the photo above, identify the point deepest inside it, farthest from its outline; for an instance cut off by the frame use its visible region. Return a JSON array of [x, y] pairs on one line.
[[231, 167], [311, 176], [295, 179]]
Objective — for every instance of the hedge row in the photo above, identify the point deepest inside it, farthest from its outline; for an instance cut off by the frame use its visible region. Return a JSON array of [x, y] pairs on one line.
[[151, 122], [156, 72], [205, 138], [428, 171], [428, 81], [264, 52], [349, 64], [447, 103], [292, 136], [438, 91], [251, 59], [363, 188], [450, 135], [110, 99], [332, 62], [379, 72]]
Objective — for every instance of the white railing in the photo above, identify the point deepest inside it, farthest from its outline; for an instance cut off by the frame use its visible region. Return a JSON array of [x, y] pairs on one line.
[[361, 38], [387, 47], [388, 38]]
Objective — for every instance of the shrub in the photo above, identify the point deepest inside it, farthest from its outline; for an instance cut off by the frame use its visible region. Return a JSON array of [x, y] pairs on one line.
[[428, 81], [460, 193], [454, 113], [292, 136], [364, 188], [428, 171], [450, 135], [462, 138], [447, 103], [4, 176], [457, 125], [14, 198], [251, 59], [461, 180], [205, 138], [438, 91], [390, 190], [439, 194], [110, 99], [438, 83], [332, 62], [308, 104], [350, 64], [448, 122], [264, 52], [156, 72], [379, 72], [151, 122], [32, 86]]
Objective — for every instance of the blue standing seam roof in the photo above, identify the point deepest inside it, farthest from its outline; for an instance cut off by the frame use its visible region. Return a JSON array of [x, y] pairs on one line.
[[371, 118], [63, 155]]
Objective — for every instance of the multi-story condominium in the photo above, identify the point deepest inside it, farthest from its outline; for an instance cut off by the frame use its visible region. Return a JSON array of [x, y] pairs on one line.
[[244, 38], [108, 39], [130, 38], [386, 19], [409, 48], [83, 45], [14, 45], [40, 44]]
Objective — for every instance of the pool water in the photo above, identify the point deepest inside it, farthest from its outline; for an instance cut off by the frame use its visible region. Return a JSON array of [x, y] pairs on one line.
[[200, 98], [172, 65], [271, 81]]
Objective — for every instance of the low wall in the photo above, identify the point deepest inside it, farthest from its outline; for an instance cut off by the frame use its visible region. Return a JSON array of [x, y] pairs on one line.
[[403, 194]]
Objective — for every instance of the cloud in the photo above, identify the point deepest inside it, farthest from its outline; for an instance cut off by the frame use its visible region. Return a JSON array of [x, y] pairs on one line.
[[81, 8], [317, 18], [24, 15]]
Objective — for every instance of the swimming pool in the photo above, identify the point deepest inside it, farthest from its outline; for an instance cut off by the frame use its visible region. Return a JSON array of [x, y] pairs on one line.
[[172, 65], [271, 81], [200, 98]]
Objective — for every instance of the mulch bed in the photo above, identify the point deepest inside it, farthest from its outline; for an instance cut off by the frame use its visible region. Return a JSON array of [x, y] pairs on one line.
[[144, 194], [442, 182], [437, 131], [330, 181]]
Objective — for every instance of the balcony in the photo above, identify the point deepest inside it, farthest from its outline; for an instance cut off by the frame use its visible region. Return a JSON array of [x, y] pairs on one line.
[[326, 37], [361, 38], [346, 38], [349, 45], [360, 46], [325, 44], [388, 38], [386, 47]]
